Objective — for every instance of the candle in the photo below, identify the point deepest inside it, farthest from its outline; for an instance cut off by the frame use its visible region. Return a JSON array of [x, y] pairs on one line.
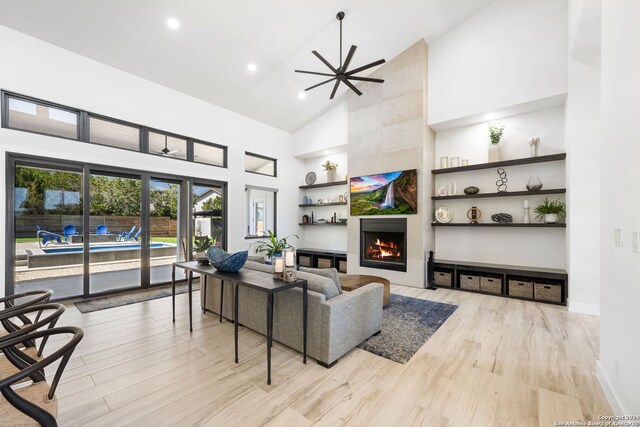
[[279, 265], [526, 204], [289, 259]]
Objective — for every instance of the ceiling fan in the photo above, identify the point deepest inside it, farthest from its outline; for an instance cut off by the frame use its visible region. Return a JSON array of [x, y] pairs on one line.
[[165, 151], [340, 74]]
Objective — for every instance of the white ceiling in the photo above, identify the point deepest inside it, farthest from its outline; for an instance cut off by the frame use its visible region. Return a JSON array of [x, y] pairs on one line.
[[207, 56]]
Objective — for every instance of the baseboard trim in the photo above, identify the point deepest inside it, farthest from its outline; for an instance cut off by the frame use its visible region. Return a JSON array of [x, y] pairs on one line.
[[614, 402], [584, 308]]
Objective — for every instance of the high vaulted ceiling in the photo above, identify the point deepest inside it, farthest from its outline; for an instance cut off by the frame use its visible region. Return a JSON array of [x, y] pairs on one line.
[[207, 56]]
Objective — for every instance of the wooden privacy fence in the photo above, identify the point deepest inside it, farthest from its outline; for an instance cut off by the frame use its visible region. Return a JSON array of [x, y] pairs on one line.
[[26, 224]]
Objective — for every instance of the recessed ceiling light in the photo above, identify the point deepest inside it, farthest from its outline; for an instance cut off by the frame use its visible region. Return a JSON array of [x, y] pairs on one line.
[[302, 95], [173, 23], [252, 67]]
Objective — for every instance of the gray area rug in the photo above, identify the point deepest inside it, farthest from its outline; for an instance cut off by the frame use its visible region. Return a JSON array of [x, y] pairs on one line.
[[407, 323], [133, 297]]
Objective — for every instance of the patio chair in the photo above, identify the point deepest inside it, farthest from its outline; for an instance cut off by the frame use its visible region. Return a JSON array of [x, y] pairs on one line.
[[47, 236], [34, 401], [102, 229], [68, 231], [136, 237], [124, 235]]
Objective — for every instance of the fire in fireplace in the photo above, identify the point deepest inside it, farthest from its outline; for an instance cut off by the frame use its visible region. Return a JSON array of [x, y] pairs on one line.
[[383, 243]]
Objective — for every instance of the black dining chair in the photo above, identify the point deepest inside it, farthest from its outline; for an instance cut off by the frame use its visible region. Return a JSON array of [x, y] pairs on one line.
[[14, 323], [34, 403], [32, 298]]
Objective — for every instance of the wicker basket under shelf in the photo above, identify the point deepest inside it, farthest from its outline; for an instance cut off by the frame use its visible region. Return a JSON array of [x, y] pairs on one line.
[[342, 266], [491, 284], [443, 278], [547, 292], [521, 288], [304, 261], [469, 282], [324, 263]]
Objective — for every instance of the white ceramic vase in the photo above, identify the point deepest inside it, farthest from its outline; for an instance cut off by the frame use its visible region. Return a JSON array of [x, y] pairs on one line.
[[331, 175], [494, 153], [550, 218]]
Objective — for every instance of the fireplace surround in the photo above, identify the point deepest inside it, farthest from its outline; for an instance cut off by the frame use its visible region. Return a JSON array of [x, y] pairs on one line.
[[383, 243]]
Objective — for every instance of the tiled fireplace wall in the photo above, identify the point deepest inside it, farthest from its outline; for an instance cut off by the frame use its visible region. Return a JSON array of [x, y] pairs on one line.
[[388, 132]]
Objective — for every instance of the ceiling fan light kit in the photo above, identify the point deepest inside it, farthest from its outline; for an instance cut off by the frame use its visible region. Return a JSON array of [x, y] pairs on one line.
[[342, 72]]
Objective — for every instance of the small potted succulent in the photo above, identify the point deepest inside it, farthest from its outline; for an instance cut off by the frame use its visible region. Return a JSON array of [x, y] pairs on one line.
[[330, 169], [550, 211], [200, 246], [496, 130]]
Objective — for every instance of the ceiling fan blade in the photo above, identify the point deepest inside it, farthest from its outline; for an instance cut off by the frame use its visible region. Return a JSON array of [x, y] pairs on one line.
[[335, 88], [320, 84], [173, 152], [365, 79], [366, 67], [324, 61], [349, 57], [353, 88], [313, 72]]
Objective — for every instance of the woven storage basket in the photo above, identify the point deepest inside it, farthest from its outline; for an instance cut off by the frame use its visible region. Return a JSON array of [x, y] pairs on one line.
[[304, 261], [469, 282], [547, 292], [443, 278], [491, 284], [324, 263], [521, 288], [342, 266]]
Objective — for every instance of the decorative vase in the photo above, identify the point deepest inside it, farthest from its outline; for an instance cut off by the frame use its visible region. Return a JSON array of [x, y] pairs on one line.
[[331, 175], [534, 183], [550, 218], [494, 153]]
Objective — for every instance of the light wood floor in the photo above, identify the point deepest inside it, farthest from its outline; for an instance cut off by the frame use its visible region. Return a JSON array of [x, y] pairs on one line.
[[495, 361]]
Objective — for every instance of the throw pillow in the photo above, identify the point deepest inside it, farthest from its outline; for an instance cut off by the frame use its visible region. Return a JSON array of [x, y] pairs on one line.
[[331, 273]]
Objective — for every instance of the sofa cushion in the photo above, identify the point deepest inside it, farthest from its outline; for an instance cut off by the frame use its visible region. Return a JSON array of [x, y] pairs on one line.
[[315, 282], [331, 273], [256, 258]]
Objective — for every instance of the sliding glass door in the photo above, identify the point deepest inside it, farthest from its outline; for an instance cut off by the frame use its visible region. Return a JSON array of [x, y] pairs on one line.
[[165, 245], [47, 229], [115, 231], [84, 230]]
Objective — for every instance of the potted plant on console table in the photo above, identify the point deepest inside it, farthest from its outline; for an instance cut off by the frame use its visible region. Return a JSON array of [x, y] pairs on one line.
[[550, 211], [273, 245]]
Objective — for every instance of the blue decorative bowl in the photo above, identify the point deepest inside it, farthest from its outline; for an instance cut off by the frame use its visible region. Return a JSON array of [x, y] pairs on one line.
[[224, 261]]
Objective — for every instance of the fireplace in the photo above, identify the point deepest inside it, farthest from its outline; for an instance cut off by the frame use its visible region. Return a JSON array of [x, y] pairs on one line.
[[383, 243]]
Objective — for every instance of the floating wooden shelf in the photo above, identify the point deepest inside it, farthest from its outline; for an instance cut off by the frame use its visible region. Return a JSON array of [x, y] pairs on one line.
[[310, 205], [501, 194], [495, 224], [326, 184], [324, 223], [514, 162]]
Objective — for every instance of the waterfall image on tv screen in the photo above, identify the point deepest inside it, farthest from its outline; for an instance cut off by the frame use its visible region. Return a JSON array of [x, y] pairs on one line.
[[392, 193]]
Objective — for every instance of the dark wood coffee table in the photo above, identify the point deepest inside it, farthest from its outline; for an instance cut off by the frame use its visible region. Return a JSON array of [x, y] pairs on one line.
[[351, 282]]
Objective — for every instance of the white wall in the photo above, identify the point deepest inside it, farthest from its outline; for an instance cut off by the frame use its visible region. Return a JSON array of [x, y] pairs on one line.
[[510, 52], [33, 67], [583, 145], [326, 134], [618, 368], [515, 246]]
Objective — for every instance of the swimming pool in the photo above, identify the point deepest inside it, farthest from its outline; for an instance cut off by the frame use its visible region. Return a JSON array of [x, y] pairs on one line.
[[102, 248]]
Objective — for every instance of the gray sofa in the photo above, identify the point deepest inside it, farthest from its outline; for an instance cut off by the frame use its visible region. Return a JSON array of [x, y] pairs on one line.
[[337, 322]]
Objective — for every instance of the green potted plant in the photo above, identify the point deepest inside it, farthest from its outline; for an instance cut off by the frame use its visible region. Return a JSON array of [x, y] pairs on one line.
[[496, 129], [330, 169], [273, 245], [550, 211], [200, 246]]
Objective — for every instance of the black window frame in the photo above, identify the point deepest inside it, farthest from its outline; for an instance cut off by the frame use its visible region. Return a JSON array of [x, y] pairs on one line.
[[83, 129], [275, 209], [275, 164]]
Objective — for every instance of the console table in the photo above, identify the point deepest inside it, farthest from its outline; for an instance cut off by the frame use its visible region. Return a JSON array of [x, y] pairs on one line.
[[260, 281]]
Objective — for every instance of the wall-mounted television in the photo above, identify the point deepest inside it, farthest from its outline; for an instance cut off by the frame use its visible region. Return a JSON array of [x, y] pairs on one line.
[[392, 193]]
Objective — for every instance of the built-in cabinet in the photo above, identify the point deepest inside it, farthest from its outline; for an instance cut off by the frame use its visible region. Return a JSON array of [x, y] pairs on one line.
[[323, 209]]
